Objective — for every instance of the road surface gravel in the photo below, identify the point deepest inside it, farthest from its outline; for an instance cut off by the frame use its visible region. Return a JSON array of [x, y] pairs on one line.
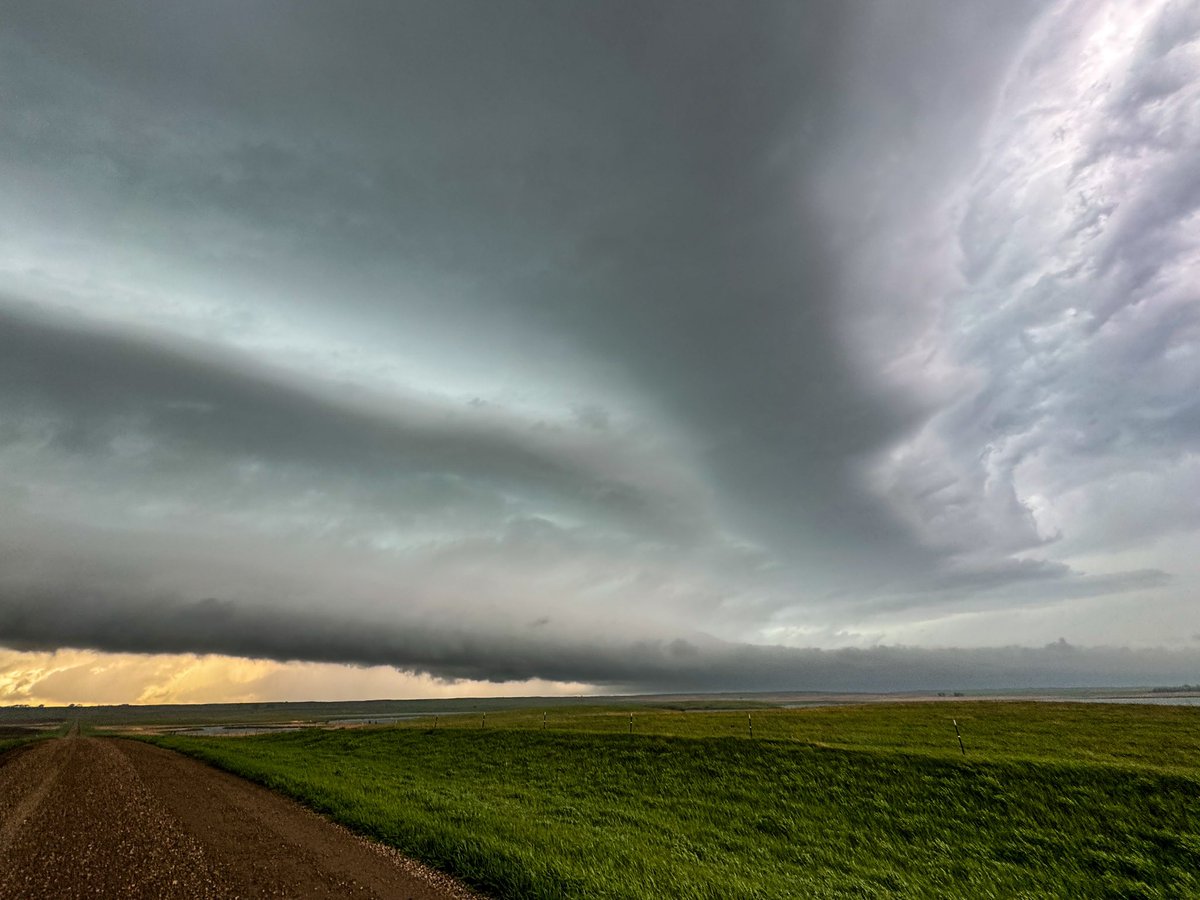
[[101, 817]]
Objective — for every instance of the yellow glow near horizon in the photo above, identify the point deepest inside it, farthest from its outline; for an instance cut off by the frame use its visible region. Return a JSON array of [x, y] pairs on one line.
[[87, 677]]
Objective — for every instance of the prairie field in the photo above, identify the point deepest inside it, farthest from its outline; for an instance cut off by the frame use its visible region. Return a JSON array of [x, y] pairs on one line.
[[15, 735], [1049, 800], [7, 742]]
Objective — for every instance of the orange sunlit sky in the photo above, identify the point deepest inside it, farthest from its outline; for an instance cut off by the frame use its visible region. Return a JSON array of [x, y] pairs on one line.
[[90, 677]]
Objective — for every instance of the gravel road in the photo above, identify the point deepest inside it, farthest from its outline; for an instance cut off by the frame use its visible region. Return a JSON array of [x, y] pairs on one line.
[[97, 817]]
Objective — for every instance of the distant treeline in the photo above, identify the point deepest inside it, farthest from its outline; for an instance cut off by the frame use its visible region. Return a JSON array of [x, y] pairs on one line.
[[1178, 689]]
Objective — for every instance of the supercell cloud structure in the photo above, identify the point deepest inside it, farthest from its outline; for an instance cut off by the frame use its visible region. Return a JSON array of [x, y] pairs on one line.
[[643, 346]]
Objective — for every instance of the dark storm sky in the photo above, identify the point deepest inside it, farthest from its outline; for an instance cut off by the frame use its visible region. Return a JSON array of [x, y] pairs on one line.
[[633, 344]]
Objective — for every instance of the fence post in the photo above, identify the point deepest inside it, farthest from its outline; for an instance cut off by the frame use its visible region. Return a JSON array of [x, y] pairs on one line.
[[958, 734]]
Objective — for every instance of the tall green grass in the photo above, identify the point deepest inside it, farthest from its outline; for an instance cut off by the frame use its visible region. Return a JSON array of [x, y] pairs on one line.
[[1082, 802]]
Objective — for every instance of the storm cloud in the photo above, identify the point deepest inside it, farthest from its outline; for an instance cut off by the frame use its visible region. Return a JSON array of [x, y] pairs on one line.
[[669, 345]]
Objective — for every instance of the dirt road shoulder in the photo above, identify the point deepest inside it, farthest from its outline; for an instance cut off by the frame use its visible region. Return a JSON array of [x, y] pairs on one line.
[[115, 818]]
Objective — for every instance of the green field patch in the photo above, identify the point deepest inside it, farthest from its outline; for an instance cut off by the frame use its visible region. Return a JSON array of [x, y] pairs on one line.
[[12, 736], [1157, 736]]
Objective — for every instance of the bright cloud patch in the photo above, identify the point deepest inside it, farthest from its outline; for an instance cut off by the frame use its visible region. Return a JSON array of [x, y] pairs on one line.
[[1063, 346]]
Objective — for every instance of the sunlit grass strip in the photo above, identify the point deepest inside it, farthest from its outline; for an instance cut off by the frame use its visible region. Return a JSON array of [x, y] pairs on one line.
[[527, 813]]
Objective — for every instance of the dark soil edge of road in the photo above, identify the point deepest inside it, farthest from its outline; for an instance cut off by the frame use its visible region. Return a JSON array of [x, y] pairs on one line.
[[84, 816]]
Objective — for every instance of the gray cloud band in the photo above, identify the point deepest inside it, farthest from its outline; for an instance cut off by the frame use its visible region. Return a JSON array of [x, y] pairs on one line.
[[214, 626]]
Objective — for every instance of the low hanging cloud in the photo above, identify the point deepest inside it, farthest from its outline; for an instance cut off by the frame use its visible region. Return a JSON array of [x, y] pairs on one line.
[[465, 654], [643, 348]]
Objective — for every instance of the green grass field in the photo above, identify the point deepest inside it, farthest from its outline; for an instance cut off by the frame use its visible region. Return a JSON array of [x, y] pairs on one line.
[[10, 742], [15, 736], [1052, 800]]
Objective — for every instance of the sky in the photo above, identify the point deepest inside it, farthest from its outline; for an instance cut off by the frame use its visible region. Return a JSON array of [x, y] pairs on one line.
[[429, 349]]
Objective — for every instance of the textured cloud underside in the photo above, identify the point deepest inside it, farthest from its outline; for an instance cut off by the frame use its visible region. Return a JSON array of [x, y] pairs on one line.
[[647, 347]]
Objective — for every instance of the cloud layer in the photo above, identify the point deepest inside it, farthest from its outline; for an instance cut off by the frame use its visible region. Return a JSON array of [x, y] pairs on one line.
[[662, 347]]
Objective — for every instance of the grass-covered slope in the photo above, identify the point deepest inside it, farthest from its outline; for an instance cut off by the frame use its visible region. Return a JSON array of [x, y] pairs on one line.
[[532, 813]]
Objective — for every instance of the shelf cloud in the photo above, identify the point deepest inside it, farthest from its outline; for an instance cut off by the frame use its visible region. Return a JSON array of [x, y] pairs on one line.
[[640, 347]]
